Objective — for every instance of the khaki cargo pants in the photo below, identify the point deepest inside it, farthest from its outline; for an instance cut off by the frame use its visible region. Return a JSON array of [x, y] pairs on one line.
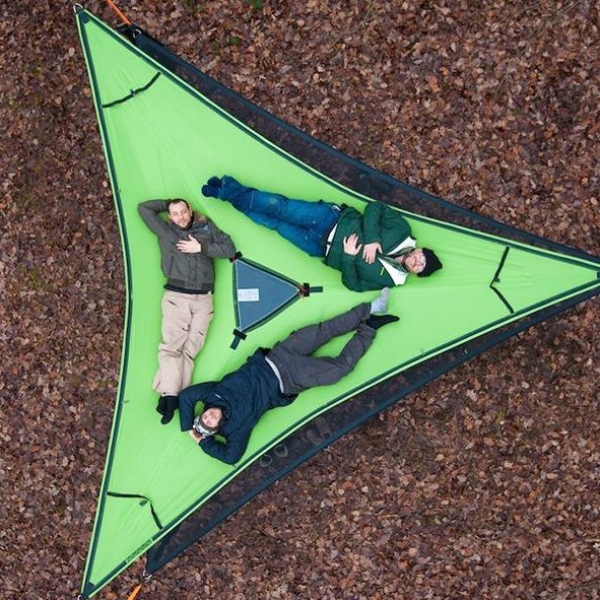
[[185, 321]]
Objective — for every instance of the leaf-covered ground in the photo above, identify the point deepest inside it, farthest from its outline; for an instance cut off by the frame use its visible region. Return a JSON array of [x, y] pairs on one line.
[[485, 484]]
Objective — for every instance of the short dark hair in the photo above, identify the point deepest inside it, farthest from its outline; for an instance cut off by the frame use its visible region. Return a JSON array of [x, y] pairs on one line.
[[177, 201]]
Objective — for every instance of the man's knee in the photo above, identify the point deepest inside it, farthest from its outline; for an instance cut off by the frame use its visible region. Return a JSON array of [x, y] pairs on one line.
[[193, 344], [171, 349]]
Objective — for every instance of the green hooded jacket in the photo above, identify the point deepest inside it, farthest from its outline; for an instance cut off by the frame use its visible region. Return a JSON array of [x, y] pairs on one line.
[[380, 223]]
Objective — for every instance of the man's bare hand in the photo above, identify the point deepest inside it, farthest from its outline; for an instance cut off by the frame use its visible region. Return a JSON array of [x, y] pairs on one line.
[[370, 252], [197, 437], [189, 246], [351, 245]]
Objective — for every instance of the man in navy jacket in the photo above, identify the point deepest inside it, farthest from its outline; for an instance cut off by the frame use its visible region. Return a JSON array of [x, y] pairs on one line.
[[275, 377]]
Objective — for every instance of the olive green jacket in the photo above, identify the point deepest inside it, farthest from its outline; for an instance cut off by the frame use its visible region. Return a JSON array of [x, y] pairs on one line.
[[194, 271]]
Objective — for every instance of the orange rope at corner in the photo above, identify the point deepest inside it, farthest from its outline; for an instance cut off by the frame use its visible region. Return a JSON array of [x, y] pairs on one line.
[[118, 11], [139, 587]]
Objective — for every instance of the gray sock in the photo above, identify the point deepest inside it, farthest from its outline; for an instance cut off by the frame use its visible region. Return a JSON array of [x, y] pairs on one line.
[[379, 305]]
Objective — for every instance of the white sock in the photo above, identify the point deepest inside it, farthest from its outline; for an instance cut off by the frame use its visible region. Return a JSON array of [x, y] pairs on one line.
[[379, 305]]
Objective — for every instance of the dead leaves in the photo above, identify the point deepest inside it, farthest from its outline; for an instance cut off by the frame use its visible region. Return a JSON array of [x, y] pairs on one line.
[[482, 485]]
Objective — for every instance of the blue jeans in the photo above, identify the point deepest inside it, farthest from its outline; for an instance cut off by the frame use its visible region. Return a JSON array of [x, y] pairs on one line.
[[304, 224]]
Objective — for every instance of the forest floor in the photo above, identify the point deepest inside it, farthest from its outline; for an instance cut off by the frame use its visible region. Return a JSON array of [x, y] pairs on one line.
[[486, 483]]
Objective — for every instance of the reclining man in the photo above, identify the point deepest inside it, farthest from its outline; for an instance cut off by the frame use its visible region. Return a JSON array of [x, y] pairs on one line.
[[337, 233], [272, 378], [189, 242]]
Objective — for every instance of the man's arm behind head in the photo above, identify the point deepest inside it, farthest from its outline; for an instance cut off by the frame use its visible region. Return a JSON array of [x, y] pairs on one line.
[[188, 399]]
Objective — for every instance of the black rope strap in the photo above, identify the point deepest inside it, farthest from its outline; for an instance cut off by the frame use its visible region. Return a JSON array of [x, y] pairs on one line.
[[132, 93], [154, 515], [496, 279], [306, 289], [238, 337]]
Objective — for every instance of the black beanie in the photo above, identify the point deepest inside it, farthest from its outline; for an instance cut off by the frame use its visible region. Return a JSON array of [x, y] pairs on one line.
[[432, 263]]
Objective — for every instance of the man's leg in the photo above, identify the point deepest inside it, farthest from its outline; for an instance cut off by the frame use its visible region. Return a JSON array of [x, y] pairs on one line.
[[201, 308], [313, 371], [301, 222], [303, 371], [308, 240], [176, 319], [306, 340]]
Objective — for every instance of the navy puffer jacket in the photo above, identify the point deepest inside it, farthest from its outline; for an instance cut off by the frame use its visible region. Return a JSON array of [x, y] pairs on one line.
[[243, 396]]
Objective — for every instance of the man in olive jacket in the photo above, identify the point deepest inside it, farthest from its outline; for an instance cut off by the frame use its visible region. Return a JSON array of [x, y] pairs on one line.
[[188, 244], [272, 378], [372, 251]]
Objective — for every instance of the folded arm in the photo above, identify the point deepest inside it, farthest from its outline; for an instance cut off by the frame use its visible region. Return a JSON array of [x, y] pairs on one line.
[[188, 399], [350, 276], [229, 452]]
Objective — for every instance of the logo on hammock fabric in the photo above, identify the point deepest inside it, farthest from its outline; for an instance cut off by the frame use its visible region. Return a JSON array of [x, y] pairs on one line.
[[248, 295]]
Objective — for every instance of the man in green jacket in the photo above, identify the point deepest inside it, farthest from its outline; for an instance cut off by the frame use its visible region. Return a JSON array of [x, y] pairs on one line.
[[373, 250], [188, 244]]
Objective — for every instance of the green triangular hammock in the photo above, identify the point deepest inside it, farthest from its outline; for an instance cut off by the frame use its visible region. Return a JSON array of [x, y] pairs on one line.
[[162, 139]]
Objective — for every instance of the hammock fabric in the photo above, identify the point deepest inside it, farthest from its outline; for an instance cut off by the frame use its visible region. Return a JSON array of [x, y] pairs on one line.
[[166, 127]]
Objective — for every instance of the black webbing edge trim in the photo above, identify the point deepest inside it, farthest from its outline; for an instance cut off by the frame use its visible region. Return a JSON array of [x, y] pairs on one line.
[[500, 266], [133, 93], [154, 515], [504, 300], [496, 279]]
